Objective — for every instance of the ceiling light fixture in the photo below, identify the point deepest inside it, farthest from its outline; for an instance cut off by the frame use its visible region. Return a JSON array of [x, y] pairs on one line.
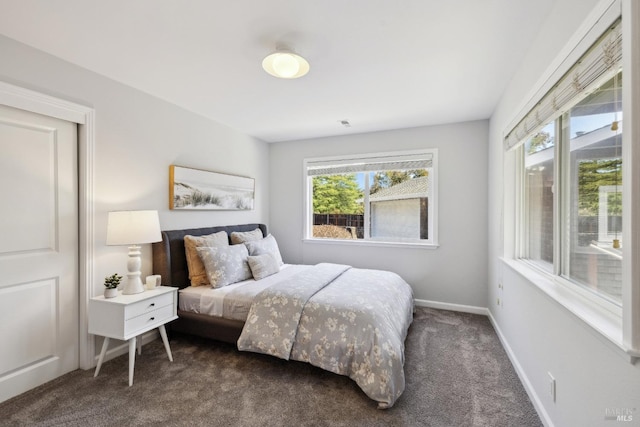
[[285, 64]]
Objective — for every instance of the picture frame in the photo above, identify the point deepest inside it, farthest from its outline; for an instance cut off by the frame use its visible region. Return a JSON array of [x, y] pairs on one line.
[[196, 189]]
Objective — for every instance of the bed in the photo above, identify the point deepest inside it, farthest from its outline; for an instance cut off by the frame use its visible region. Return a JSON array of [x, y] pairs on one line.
[[325, 315]]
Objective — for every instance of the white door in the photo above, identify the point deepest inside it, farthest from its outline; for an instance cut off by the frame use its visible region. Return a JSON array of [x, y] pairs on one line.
[[38, 250]]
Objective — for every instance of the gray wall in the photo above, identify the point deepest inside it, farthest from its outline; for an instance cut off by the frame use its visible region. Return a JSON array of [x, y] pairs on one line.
[[591, 373], [137, 137], [456, 272]]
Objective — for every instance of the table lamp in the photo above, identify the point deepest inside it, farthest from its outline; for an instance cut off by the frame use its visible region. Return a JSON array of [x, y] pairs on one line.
[[133, 228]]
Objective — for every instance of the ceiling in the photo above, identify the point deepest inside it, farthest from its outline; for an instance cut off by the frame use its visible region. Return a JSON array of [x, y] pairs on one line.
[[379, 64]]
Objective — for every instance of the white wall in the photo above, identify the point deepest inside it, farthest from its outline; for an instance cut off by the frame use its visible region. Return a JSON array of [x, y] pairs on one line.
[[137, 137], [456, 272], [592, 374]]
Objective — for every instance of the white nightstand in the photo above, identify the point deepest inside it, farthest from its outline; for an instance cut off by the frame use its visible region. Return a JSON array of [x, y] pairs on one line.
[[125, 317]]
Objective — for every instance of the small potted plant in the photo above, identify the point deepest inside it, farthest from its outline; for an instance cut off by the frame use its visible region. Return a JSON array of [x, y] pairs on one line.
[[111, 285]]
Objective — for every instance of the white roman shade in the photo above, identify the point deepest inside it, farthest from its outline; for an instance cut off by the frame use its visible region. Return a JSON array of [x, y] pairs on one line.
[[599, 64], [369, 164]]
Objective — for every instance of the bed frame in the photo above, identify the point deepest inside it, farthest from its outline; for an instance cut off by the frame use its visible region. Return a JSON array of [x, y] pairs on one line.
[[170, 261]]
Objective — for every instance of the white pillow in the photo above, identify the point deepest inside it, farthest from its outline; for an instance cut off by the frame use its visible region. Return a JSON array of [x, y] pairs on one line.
[[268, 245], [263, 265], [197, 273], [225, 265], [245, 236]]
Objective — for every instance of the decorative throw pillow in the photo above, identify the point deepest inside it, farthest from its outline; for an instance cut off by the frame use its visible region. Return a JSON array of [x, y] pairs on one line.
[[197, 273], [268, 245], [245, 236], [263, 265], [226, 264]]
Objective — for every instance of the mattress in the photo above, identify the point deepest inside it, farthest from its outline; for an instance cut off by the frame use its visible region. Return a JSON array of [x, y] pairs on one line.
[[231, 301]]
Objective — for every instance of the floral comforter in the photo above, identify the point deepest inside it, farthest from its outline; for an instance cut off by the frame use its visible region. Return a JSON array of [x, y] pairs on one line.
[[345, 320]]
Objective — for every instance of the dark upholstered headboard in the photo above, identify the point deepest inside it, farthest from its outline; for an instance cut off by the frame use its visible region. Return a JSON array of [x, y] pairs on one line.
[[169, 256]]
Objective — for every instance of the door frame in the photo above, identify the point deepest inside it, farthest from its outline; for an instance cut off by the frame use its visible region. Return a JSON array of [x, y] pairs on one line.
[[36, 102]]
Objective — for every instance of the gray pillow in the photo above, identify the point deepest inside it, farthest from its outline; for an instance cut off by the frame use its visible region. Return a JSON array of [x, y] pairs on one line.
[[263, 265], [197, 273], [268, 245], [225, 265], [245, 236]]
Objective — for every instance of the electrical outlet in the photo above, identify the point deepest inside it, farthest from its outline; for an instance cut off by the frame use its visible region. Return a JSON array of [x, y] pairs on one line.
[[552, 387], [498, 302]]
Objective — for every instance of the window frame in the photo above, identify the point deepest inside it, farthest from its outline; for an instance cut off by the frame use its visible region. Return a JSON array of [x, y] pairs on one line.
[[559, 272], [430, 243], [620, 329], [596, 310]]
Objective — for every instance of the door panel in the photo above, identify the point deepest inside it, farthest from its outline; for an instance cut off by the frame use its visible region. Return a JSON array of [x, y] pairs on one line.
[[38, 250], [29, 167]]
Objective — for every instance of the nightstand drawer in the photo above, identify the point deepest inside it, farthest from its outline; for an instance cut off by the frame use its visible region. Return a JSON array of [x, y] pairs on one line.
[[146, 321], [110, 317], [148, 305]]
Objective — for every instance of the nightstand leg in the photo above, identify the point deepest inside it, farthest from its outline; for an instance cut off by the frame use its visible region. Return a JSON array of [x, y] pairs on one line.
[[132, 359], [163, 334], [105, 344], [140, 346]]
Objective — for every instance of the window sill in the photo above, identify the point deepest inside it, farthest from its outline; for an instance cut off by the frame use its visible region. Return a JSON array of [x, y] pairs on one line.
[[607, 323], [372, 243]]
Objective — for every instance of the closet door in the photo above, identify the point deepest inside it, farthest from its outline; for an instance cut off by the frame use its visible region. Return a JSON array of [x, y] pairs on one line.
[[38, 250]]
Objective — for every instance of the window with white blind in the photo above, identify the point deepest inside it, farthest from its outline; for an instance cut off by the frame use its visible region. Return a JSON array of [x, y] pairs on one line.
[[570, 146], [384, 197]]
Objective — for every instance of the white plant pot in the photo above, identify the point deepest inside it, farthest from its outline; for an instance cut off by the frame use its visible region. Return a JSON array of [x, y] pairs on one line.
[[110, 293]]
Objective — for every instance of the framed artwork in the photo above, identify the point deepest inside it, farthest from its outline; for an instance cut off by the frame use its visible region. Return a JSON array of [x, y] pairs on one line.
[[195, 189]]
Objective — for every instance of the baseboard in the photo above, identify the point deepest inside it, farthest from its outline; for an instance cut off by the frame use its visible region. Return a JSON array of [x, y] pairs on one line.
[[124, 347], [452, 307], [524, 379]]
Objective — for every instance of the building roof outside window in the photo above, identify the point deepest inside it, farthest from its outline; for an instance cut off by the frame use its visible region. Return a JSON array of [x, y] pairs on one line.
[[411, 189]]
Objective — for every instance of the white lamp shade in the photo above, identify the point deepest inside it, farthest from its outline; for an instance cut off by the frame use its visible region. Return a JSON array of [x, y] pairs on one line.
[[133, 228], [285, 65]]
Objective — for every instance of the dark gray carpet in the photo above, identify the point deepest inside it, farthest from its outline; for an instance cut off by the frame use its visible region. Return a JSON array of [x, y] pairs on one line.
[[457, 375]]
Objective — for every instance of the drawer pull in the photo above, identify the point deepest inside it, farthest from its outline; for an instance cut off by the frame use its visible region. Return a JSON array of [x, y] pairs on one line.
[[153, 318], [153, 304]]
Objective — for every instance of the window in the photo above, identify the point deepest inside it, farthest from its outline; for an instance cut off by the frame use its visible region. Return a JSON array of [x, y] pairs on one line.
[[388, 197], [593, 240], [570, 144], [539, 157]]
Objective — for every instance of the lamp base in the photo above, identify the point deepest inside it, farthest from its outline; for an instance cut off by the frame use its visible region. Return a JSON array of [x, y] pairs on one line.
[[133, 286], [134, 283]]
